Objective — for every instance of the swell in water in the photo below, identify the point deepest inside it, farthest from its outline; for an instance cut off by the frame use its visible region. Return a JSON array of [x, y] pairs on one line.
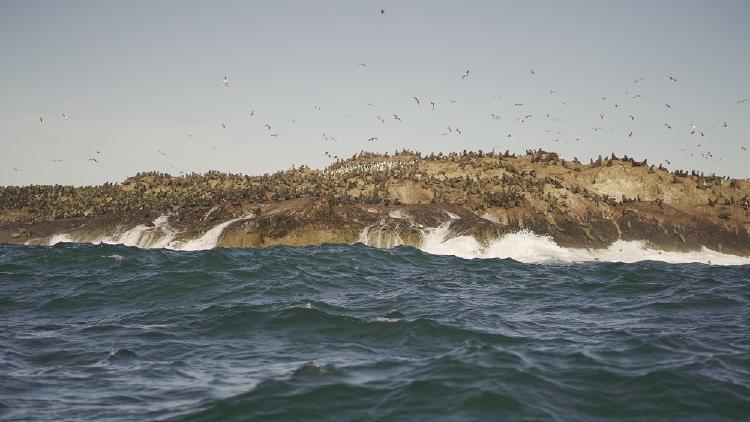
[[160, 236], [528, 247], [523, 246]]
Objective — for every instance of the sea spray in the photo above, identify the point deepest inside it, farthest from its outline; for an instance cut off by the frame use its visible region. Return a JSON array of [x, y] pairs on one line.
[[208, 240], [380, 236], [528, 247], [160, 235]]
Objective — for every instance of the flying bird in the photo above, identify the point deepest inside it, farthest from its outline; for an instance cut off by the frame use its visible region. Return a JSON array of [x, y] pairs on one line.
[[16, 169], [667, 125], [495, 116], [274, 135], [162, 152], [416, 99], [725, 124], [65, 116], [639, 79], [432, 103], [518, 104], [381, 119], [93, 159], [226, 81], [362, 64], [54, 160], [465, 75], [630, 135], [41, 119], [268, 127], [371, 139], [532, 71], [223, 126], [395, 116], [672, 78], [742, 100], [252, 113], [667, 104], [631, 117], [382, 11]]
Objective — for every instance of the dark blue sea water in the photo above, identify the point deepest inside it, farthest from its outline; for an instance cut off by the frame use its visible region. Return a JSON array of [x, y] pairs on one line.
[[356, 333]]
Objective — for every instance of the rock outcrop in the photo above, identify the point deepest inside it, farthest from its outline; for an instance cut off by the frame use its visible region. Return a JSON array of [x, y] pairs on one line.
[[390, 199]]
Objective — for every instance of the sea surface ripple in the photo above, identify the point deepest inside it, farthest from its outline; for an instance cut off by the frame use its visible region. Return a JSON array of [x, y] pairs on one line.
[[106, 332]]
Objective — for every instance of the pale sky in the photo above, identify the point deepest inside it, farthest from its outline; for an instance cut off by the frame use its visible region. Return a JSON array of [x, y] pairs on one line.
[[142, 83]]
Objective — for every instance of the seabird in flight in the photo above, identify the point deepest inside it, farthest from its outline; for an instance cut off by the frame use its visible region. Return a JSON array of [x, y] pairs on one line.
[[639, 79], [268, 127], [742, 100], [465, 75], [65, 116], [372, 138], [416, 99], [667, 125], [672, 78], [382, 11], [381, 119], [226, 81], [395, 116], [93, 159]]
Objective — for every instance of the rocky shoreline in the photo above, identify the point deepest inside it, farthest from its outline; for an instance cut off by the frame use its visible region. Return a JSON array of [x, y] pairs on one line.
[[384, 200]]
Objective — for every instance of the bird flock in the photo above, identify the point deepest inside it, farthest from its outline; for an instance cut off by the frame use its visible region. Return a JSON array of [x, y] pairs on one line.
[[521, 118]]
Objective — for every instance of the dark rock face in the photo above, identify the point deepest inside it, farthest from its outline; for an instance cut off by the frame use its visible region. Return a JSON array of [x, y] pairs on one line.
[[484, 195]]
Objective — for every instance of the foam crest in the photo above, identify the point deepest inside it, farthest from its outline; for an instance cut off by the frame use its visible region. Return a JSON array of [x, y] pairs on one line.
[[208, 240], [59, 238], [528, 247], [142, 236], [382, 237]]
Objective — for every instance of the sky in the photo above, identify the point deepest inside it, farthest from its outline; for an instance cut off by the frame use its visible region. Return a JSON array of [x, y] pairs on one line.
[[141, 83]]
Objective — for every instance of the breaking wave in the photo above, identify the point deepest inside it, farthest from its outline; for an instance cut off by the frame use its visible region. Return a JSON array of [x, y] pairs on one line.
[[523, 246], [528, 247], [160, 235]]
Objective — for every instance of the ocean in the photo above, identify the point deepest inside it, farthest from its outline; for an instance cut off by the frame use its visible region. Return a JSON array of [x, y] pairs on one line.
[[352, 332]]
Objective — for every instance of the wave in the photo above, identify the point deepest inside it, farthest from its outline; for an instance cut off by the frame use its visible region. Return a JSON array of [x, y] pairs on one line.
[[523, 246], [160, 235], [528, 247]]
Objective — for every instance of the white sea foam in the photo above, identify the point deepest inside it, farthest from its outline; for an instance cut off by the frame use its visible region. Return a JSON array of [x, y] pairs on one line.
[[161, 235], [142, 236], [382, 237], [59, 238], [207, 241], [528, 247]]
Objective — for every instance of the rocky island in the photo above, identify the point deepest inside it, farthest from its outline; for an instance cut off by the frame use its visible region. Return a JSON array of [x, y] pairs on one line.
[[386, 200]]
